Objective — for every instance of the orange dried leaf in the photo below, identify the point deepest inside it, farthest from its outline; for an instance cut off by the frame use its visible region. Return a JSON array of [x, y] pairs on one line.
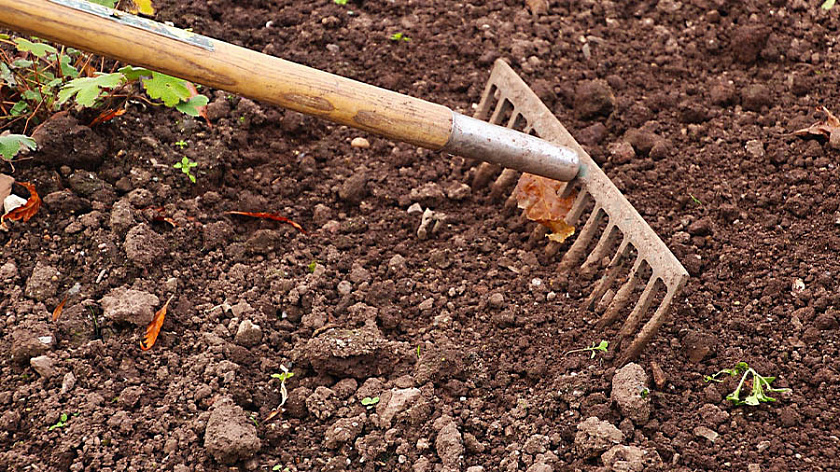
[[59, 309], [26, 211], [153, 330], [107, 115], [143, 7], [540, 198], [268, 216]]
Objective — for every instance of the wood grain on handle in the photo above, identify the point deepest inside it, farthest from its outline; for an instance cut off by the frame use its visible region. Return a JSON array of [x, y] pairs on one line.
[[238, 70]]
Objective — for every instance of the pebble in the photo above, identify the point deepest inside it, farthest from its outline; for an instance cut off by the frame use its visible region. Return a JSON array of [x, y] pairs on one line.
[[248, 334], [68, 382], [496, 300], [129, 305], [43, 365], [707, 433], [414, 208], [755, 148], [594, 98], [360, 142], [344, 287], [834, 139]]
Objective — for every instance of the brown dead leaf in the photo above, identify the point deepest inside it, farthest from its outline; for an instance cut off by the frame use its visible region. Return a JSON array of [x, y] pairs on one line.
[[268, 216], [538, 196], [59, 308], [824, 128], [26, 211], [107, 115], [153, 330]]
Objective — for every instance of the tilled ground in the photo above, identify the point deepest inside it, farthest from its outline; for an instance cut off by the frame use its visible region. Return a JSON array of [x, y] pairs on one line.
[[688, 106]]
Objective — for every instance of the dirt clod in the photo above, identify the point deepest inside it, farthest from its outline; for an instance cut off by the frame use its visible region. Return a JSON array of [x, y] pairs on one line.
[[230, 436], [44, 366], [143, 245], [629, 387], [593, 98], [63, 141], [248, 334], [43, 283], [126, 305], [621, 458], [449, 445], [595, 436]]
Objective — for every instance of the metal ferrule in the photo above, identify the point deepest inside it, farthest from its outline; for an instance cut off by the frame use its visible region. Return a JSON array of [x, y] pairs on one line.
[[509, 148]]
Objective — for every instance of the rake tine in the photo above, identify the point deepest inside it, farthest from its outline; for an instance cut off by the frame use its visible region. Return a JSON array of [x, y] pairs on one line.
[[649, 329], [502, 108], [607, 280], [579, 246], [632, 321], [600, 248], [621, 298], [505, 181]]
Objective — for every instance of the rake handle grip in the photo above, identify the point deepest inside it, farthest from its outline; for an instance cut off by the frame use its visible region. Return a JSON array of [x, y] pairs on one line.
[[141, 42], [236, 69]]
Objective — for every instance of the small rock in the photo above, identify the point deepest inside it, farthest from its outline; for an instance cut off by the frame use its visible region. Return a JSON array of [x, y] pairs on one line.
[[712, 415], [537, 7], [756, 96], [121, 217], [414, 209], [27, 343], [496, 300], [748, 41], [128, 305], [230, 436], [628, 386], [622, 458], [621, 152], [704, 432], [8, 271], [595, 436], [458, 191], [396, 402], [834, 139], [429, 224], [701, 227], [723, 94], [659, 376], [43, 283], [360, 142], [354, 189], [248, 334], [753, 467], [43, 365], [642, 140], [755, 148], [698, 345], [593, 98], [68, 382], [143, 246], [429, 194]]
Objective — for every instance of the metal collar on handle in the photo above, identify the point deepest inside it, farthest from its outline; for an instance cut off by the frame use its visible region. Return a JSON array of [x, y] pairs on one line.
[[484, 141]]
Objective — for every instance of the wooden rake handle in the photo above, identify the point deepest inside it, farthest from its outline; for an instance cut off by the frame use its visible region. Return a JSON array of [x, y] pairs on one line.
[[141, 42]]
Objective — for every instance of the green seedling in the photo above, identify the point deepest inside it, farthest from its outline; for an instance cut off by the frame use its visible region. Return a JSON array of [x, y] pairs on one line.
[[400, 37], [369, 402], [644, 392], [181, 144], [186, 165], [286, 375], [62, 422], [12, 144], [418, 351], [760, 385], [312, 266], [695, 199], [593, 349], [828, 5], [340, 2], [253, 419]]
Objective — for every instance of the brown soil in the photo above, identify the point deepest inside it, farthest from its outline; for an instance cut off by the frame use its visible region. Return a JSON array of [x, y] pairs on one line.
[[465, 377]]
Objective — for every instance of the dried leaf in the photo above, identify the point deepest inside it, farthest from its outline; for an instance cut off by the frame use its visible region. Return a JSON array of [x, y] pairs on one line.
[[823, 128], [540, 199], [268, 216], [106, 115], [26, 211], [59, 308], [143, 7], [153, 329]]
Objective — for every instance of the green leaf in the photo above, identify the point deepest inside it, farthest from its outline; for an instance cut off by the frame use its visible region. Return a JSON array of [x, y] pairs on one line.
[[169, 89], [21, 63], [191, 106], [67, 69], [18, 108], [340, 2], [134, 73], [828, 5], [6, 75], [37, 49], [32, 95], [11, 145], [368, 401], [105, 3], [88, 89]]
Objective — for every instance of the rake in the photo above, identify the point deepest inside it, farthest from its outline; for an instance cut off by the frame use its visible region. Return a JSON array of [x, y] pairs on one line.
[[512, 130]]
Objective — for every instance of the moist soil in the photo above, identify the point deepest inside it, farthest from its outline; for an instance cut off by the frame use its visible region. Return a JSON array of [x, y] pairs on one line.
[[689, 107]]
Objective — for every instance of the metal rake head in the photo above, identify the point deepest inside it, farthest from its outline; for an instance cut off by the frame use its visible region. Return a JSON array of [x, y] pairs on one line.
[[637, 267]]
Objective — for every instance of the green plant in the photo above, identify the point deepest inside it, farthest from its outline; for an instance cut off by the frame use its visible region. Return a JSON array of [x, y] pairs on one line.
[[644, 392], [181, 144], [12, 144], [312, 266], [369, 402], [828, 5], [62, 422], [253, 419], [418, 351], [400, 37], [286, 375], [186, 165], [695, 199], [760, 384], [340, 2], [593, 349]]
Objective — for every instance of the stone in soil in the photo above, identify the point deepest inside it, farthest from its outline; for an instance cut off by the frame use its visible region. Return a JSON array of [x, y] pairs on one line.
[[359, 353], [395, 402], [344, 431], [354, 189], [30, 342], [121, 219], [593, 98], [43, 365], [621, 152], [698, 345], [143, 246], [628, 385], [126, 305], [595, 436], [66, 202], [449, 443], [748, 41], [248, 334], [43, 283], [230, 436], [622, 458], [642, 140], [755, 97], [322, 403]]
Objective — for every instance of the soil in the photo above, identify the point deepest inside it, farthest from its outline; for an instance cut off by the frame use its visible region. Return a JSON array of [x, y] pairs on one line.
[[689, 108]]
